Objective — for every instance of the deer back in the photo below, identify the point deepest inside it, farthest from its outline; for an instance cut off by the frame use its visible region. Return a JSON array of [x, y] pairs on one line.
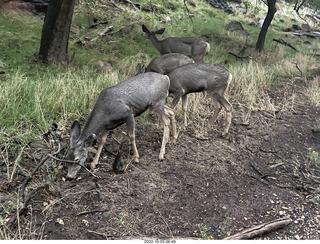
[[197, 77], [166, 63], [195, 48]]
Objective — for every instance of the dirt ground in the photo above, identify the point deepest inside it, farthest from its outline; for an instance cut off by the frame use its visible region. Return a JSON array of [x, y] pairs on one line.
[[208, 187]]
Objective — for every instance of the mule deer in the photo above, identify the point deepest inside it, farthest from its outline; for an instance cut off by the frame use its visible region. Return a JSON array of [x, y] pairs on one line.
[[195, 48], [166, 63], [198, 77], [117, 105]]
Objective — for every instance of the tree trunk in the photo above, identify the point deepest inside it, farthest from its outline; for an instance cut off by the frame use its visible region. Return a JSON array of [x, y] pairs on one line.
[[262, 36], [55, 31]]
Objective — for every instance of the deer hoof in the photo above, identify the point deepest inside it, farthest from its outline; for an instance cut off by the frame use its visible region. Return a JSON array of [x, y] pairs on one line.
[[93, 165], [136, 160]]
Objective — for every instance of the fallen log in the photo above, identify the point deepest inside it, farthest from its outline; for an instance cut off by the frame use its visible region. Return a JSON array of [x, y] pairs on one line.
[[281, 41], [261, 229]]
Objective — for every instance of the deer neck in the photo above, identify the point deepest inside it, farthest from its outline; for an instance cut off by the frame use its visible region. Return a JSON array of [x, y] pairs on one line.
[[90, 130], [155, 42]]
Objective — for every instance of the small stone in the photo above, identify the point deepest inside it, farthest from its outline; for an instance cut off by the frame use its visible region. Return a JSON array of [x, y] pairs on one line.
[[282, 213]]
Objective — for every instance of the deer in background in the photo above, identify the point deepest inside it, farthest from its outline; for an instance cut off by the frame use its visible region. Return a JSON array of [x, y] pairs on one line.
[[199, 77], [121, 104], [195, 48], [165, 64]]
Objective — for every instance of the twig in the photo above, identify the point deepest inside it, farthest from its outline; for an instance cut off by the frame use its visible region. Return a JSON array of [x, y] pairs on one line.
[[103, 33], [52, 128], [239, 57], [25, 200], [299, 69], [184, 1], [261, 229], [276, 165], [24, 205], [297, 6], [92, 211], [73, 162], [281, 41], [15, 165], [94, 25]]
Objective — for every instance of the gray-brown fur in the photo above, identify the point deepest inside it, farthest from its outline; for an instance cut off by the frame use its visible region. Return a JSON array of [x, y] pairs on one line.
[[117, 105], [166, 63], [199, 77], [193, 47]]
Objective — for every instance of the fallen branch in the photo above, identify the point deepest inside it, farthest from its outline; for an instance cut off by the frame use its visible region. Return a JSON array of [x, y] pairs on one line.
[[52, 128], [281, 41], [261, 229], [24, 201], [189, 13], [239, 57], [103, 33], [24, 205], [95, 24]]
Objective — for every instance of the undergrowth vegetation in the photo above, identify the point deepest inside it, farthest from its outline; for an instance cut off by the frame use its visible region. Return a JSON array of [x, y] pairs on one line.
[[33, 95]]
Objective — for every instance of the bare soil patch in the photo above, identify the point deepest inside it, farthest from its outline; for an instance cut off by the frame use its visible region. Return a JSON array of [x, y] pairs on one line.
[[207, 187]]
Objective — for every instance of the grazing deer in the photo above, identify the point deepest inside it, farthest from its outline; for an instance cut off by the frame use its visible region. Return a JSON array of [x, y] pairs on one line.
[[195, 48], [117, 105], [166, 63], [198, 77]]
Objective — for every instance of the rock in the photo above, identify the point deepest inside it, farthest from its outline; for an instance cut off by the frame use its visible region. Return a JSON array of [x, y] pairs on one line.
[[237, 27], [242, 10], [166, 19], [260, 22], [316, 81], [193, 4], [295, 26], [305, 27], [36, 7], [236, 1], [103, 65], [222, 5]]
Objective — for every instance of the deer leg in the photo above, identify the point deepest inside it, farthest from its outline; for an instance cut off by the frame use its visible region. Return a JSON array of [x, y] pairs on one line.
[[130, 122], [184, 108], [166, 133], [217, 109], [170, 113], [95, 161], [175, 102], [228, 107]]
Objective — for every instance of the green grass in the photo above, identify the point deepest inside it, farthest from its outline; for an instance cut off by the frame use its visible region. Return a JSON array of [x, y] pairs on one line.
[[33, 95], [20, 40]]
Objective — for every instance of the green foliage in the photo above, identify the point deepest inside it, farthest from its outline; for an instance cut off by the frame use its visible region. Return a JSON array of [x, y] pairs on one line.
[[314, 157], [34, 94], [19, 41]]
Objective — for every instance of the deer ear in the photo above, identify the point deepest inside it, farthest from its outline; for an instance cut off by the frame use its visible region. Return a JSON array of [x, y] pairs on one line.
[[143, 69], [144, 29], [140, 69], [160, 31], [75, 132]]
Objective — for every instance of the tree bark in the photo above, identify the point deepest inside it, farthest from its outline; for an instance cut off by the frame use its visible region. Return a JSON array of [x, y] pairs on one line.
[[55, 31], [262, 36]]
